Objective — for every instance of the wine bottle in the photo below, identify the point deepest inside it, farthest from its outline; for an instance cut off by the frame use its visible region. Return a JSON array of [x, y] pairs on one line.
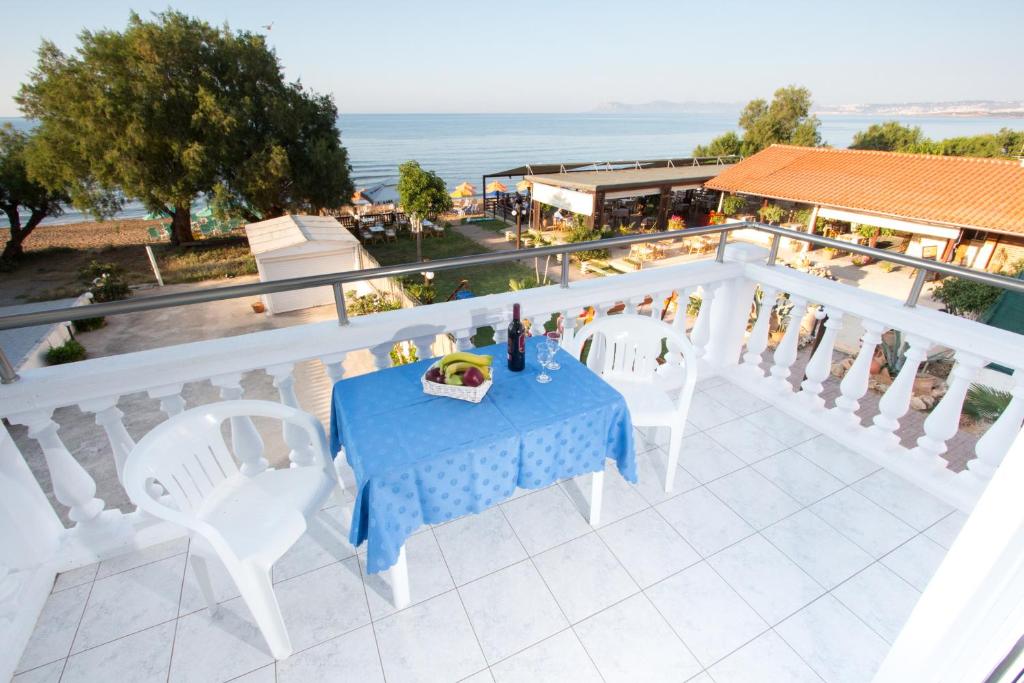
[[516, 342]]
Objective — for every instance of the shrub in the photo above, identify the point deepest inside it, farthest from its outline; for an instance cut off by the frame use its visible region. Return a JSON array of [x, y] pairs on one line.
[[68, 352], [986, 403], [425, 294], [105, 280], [96, 269], [403, 354], [581, 233], [732, 204], [89, 324], [771, 214], [371, 303], [517, 285], [965, 298]]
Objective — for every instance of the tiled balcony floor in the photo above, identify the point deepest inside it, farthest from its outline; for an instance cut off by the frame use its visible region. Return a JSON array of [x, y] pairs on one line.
[[780, 557]]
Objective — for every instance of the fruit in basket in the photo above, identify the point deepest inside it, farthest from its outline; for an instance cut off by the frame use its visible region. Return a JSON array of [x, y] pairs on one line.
[[455, 380], [460, 368], [434, 374], [473, 377], [465, 357]]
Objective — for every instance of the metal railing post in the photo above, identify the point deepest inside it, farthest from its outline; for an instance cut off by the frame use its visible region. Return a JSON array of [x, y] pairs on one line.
[[7, 373], [565, 270], [339, 304], [773, 252], [723, 237], [915, 289]]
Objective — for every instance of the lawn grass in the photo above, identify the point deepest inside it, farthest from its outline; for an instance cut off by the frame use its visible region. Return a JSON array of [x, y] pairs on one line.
[[494, 226], [489, 279]]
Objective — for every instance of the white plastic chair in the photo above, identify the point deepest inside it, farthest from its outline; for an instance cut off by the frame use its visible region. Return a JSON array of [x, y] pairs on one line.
[[248, 522], [624, 351]]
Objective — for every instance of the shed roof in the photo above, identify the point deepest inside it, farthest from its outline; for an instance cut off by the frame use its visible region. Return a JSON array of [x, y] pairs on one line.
[[297, 231], [630, 179], [962, 192]]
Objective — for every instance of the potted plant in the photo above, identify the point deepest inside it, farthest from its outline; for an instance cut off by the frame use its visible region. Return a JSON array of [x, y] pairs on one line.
[[771, 214]]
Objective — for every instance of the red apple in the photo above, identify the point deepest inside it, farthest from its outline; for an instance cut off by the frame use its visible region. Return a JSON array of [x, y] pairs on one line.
[[435, 375], [472, 377]]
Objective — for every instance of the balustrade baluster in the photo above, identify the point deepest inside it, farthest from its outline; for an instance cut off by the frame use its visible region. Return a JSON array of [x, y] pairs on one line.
[[501, 327], [424, 346], [944, 420], [382, 355], [757, 342], [702, 327], [464, 339], [855, 381], [333, 366], [171, 402], [995, 443], [284, 380], [72, 485], [567, 326], [896, 400], [820, 364], [111, 419], [245, 439], [786, 351], [679, 318]]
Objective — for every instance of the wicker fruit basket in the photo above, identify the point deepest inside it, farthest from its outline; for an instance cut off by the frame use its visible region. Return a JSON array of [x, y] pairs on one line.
[[463, 393]]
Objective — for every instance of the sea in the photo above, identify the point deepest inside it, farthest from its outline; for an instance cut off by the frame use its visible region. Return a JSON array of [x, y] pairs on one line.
[[464, 147]]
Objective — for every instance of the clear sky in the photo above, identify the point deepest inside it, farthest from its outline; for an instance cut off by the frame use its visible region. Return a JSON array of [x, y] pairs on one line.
[[569, 56]]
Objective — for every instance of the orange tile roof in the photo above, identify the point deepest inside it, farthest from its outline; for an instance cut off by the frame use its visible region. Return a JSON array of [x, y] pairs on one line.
[[963, 192]]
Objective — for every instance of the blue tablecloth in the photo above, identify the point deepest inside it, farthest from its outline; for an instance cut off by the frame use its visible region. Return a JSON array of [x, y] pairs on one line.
[[427, 459]]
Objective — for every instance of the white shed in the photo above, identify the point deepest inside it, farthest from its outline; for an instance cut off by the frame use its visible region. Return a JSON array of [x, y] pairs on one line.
[[296, 246]]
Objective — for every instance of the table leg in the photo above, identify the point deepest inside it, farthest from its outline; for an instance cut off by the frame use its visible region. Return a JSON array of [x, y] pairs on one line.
[[596, 492], [400, 581]]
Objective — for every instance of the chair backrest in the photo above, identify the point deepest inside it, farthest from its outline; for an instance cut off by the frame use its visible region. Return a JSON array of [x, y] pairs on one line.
[[627, 347], [188, 456]]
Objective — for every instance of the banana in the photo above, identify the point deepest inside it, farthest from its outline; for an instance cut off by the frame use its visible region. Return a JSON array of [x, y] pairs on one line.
[[462, 366], [466, 357]]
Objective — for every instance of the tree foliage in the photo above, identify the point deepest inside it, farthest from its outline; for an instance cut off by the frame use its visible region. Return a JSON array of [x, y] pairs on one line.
[[19, 193], [784, 120], [892, 136], [172, 109], [422, 194]]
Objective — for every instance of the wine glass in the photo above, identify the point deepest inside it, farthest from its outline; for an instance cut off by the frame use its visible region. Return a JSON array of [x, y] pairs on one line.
[[551, 340], [543, 357]]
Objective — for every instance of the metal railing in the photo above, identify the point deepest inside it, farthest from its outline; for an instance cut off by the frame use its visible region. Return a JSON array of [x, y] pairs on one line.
[[336, 280]]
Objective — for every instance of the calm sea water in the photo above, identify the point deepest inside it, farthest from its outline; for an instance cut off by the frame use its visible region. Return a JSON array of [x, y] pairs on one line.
[[462, 147]]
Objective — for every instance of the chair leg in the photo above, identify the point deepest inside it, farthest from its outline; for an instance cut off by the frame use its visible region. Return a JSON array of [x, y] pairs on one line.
[[201, 571], [400, 581], [675, 444], [257, 590], [596, 495]]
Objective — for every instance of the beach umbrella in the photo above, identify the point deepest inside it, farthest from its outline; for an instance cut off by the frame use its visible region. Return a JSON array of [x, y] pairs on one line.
[[523, 186], [359, 198], [496, 186], [461, 192]]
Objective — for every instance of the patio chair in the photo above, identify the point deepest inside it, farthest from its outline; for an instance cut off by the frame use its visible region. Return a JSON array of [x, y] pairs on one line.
[[390, 234], [624, 350], [365, 235], [247, 520]]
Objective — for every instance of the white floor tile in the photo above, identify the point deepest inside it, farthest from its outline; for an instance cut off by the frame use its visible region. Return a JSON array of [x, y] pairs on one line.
[[511, 610], [218, 648], [352, 657], [554, 660], [224, 587], [702, 677], [707, 382], [264, 674], [769, 581], [143, 656], [479, 677], [835, 643], [651, 467], [880, 598], [584, 576], [641, 442], [706, 459], [648, 547], [325, 542], [829, 557], [798, 476], [428, 575], [131, 601], [630, 641], [131, 560], [619, 500], [915, 507], [48, 673], [55, 628], [324, 603], [476, 545], [738, 399], [863, 522], [839, 461], [432, 641], [770, 657], [706, 412], [758, 501], [945, 531], [781, 426], [746, 441], [704, 521], [916, 561], [687, 601], [75, 577], [545, 519]]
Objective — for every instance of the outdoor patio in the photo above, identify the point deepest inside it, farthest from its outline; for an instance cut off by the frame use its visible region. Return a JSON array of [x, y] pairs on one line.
[[780, 556]]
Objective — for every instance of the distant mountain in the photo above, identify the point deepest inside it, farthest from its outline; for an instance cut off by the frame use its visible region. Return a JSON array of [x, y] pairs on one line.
[[955, 108], [667, 107]]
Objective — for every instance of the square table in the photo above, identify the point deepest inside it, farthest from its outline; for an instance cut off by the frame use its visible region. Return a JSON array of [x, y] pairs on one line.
[[423, 459]]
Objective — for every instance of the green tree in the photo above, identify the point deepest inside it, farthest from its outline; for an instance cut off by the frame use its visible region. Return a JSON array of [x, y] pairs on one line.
[[890, 136], [784, 120], [172, 109], [423, 195], [18, 192]]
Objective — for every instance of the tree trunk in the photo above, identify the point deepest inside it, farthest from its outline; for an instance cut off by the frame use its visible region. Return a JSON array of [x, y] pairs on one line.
[[419, 238], [13, 249], [181, 225]]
